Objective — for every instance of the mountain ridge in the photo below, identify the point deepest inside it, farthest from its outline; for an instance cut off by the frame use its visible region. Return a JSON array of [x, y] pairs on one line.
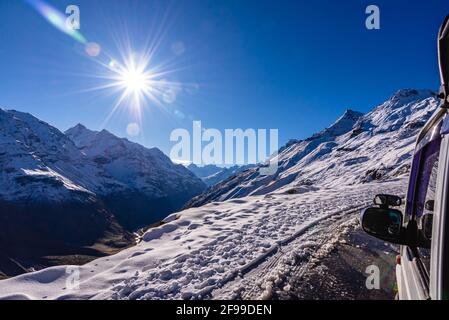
[[342, 153]]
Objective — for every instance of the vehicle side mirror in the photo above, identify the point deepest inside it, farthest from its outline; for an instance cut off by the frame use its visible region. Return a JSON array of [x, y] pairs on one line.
[[383, 223], [387, 200]]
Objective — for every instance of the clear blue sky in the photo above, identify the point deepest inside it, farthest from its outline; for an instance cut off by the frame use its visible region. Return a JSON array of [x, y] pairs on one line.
[[291, 65]]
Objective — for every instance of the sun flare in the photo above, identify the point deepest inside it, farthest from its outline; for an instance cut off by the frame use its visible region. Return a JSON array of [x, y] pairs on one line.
[[139, 83], [134, 81]]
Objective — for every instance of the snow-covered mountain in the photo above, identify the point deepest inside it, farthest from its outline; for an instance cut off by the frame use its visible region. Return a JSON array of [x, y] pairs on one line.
[[39, 163], [212, 174], [357, 148], [131, 164], [47, 199], [69, 190], [153, 185]]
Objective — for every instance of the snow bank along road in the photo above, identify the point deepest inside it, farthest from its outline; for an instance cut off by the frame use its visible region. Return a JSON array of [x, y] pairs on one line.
[[241, 248]]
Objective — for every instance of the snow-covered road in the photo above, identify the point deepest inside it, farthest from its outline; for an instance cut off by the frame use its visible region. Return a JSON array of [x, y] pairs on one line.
[[241, 248], [291, 258]]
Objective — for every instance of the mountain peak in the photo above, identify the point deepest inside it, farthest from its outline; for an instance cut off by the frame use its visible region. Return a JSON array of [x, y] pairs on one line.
[[80, 135], [79, 126], [409, 93], [344, 123], [349, 113], [106, 133], [81, 131], [341, 126], [78, 129]]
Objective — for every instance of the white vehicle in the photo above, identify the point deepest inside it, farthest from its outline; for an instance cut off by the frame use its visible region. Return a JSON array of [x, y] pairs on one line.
[[422, 230]]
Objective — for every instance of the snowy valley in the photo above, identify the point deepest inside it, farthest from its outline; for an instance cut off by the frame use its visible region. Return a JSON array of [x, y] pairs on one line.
[[246, 237]]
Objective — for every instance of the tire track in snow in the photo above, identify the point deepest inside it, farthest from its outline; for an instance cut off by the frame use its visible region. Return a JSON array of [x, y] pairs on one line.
[[303, 249], [266, 263]]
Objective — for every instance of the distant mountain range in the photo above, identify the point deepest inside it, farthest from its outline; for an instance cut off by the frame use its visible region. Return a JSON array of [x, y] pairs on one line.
[[212, 174], [356, 149], [60, 192]]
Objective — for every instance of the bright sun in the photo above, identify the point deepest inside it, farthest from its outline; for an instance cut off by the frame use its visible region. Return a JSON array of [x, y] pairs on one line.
[[139, 84], [134, 81]]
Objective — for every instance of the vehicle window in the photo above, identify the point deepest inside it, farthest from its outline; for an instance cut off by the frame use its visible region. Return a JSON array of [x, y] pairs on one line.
[[421, 193], [425, 218]]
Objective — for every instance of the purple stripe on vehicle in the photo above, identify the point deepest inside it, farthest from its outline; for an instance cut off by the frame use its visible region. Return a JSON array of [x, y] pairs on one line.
[[423, 162]]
